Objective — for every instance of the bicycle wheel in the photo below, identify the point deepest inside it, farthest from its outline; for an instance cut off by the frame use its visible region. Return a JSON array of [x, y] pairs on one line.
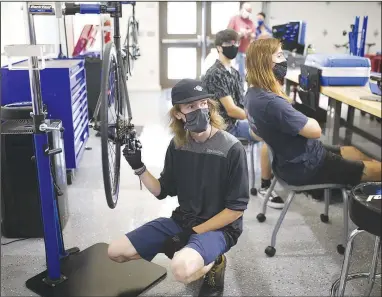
[[112, 113]]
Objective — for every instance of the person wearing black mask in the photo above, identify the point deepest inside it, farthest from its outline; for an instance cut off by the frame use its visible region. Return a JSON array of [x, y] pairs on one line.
[[299, 157], [206, 168], [225, 83]]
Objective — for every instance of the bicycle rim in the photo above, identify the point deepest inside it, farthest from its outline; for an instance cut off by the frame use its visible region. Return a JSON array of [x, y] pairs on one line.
[[110, 118]]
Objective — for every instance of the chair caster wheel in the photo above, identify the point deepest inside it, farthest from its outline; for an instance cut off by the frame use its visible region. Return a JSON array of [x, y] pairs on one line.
[[261, 217], [340, 249], [254, 191], [270, 251], [324, 218]]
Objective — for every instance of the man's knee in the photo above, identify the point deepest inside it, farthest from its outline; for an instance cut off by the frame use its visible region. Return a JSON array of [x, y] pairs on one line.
[[371, 171], [121, 250], [185, 263]]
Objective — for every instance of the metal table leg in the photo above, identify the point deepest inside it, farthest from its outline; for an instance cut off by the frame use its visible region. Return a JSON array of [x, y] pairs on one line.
[[333, 121], [337, 122], [287, 86], [349, 122]]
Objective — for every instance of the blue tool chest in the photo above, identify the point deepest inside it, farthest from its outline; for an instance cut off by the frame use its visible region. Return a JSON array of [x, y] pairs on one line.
[[63, 88]]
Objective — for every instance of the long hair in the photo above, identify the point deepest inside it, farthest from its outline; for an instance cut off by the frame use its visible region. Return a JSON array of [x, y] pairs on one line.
[[259, 66], [181, 135]]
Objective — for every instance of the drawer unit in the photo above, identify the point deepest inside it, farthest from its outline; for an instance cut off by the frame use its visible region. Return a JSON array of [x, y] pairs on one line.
[[63, 87]]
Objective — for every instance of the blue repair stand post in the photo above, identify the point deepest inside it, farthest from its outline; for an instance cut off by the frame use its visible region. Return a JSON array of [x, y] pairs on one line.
[[71, 272], [356, 50]]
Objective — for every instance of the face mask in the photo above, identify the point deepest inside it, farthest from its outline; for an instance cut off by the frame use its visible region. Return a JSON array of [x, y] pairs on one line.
[[245, 14], [280, 70], [197, 121], [259, 23], [230, 51]]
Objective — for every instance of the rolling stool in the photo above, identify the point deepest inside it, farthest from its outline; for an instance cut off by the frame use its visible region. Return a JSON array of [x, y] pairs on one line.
[[365, 212], [250, 145], [292, 190]]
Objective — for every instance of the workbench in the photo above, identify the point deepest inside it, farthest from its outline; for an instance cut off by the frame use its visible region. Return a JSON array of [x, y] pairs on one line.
[[338, 95]]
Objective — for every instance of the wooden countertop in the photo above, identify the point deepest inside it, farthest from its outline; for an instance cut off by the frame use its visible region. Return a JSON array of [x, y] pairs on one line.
[[347, 95]]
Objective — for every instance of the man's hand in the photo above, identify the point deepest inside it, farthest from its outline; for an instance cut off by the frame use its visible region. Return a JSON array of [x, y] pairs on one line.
[[242, 32], [132, 153], [175, 243]]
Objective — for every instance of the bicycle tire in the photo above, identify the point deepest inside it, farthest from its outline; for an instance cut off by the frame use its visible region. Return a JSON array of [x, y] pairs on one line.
[[111, 183]]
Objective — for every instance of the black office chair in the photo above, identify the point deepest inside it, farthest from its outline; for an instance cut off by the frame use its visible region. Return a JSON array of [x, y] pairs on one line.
[[365, 212]]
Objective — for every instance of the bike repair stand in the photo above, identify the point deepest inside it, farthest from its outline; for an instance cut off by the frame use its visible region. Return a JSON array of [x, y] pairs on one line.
[[71, 272], [48, 9]]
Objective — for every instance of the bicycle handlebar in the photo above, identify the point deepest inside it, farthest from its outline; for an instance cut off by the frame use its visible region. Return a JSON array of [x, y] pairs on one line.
[[72, 9]]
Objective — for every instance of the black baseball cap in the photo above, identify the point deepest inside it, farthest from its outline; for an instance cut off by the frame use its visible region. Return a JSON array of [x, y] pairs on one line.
[[188, 90]]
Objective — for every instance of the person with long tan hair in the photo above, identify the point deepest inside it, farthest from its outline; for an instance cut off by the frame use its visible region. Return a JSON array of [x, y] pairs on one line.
[[299, 156], [225, 83], [206, 168]]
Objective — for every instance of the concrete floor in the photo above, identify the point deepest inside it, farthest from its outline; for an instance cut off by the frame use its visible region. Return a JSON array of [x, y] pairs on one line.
[[306, 262]]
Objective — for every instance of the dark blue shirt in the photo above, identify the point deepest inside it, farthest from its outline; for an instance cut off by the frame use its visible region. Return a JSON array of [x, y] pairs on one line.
[[258, 31], [271, 117]]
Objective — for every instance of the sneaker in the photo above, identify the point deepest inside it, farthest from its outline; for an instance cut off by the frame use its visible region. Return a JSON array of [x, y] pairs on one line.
[[275, 201], [213, 284]]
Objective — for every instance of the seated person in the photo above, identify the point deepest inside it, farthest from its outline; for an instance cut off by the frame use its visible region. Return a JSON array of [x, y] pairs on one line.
[[300, 158], [206, 168], [225, 83]]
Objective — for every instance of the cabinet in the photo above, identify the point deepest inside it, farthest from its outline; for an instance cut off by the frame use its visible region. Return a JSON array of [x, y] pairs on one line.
[[63, 88]]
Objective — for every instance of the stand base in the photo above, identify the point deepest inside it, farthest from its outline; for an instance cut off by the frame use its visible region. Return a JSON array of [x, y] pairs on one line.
[[92, 273]]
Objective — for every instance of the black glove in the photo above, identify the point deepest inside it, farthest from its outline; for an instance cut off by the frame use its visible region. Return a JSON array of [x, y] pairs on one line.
[[175, 243], [132, 153]]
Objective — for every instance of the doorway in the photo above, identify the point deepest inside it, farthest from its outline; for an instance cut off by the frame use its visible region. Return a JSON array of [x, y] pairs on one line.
[[187, 33]]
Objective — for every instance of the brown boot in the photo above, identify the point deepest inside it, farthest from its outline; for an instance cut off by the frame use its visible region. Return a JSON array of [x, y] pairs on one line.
[[213, 284]]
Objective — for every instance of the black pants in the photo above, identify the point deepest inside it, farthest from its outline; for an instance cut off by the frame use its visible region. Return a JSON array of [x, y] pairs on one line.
[[337, 170]]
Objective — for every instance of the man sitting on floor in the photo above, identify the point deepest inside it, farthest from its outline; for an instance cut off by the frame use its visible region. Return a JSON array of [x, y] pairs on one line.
[[206, 168]]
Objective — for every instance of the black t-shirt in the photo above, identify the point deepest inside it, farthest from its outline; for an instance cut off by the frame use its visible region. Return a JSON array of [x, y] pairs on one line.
[[276, 121], [207, 178], [221, 82]]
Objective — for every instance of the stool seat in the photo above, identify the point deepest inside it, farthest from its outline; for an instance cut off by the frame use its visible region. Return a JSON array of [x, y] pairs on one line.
[[304, 188], [365, 207]]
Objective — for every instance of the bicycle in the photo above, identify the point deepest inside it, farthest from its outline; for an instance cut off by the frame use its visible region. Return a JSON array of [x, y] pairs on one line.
[[131, 46], [115, 125]]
